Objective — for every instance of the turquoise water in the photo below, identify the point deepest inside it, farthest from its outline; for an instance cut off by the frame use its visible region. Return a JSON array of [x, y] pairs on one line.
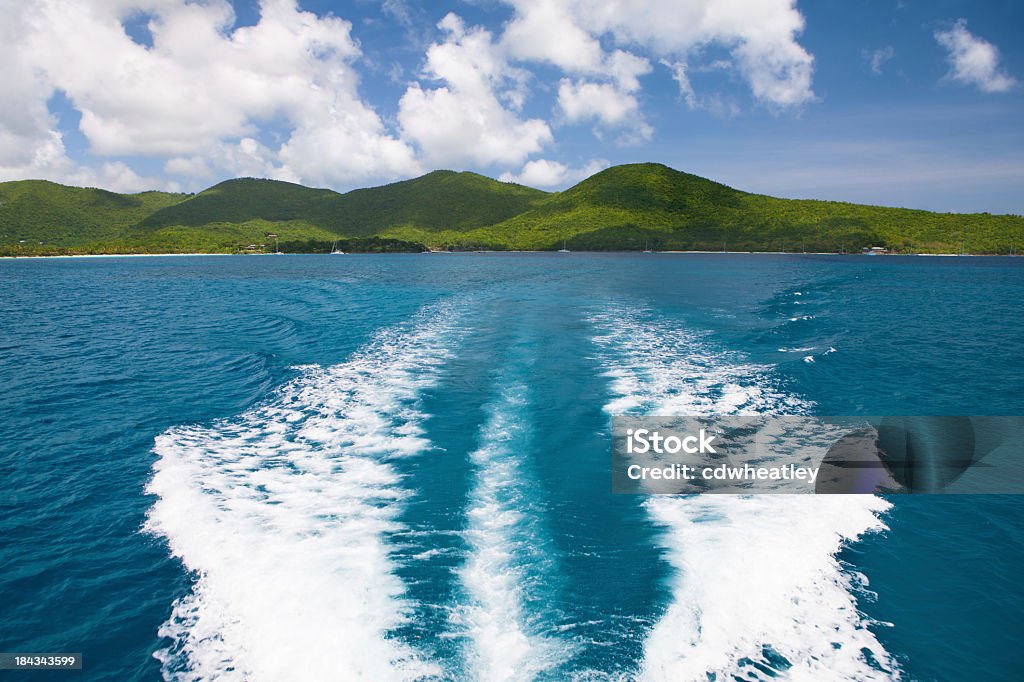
[[316, 467]]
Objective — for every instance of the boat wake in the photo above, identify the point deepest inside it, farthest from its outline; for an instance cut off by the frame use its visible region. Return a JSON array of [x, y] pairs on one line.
[[283, 513], [287, 515], [507, 563], [757, 590]]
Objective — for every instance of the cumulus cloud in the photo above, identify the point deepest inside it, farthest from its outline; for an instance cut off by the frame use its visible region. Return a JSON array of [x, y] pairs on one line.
[[31, 146], [191, 167], [878, 57], [761, 37], [973, 60], [202, 88], [611, 104], [602, 101], [118, 177], [606, 104], [547, 31], [247, 157], [281, 97], [545, 173], [472, 117], [48, 160]]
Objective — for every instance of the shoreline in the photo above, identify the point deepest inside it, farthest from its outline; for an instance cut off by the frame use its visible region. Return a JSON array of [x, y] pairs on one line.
[[478, 252], [124, 255]]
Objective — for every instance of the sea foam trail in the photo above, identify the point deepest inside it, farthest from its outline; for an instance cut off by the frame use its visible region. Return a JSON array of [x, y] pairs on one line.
[[506, 558], [757, 590], [284, 511]]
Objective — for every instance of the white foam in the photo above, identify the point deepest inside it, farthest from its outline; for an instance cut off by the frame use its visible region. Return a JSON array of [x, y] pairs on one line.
[[810, 358], [284, 512], [504, 543], [756, 577], [761, 571]]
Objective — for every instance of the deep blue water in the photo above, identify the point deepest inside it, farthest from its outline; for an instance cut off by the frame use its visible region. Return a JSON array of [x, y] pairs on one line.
[[316, 467]]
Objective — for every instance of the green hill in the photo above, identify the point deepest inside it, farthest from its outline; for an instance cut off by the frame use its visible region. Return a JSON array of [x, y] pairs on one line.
[[438, 200], [243, 200], [630, 206], [442, 200], [237, 213], [624, 207], [620, 207], [36, 211]]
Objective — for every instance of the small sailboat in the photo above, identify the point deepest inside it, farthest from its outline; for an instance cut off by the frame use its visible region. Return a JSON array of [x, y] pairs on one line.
[[335, 251], [277, 247], [563, 249], [646, 249]]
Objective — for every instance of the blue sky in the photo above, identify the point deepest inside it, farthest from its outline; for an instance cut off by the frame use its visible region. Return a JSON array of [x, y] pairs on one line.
[[890, 102]]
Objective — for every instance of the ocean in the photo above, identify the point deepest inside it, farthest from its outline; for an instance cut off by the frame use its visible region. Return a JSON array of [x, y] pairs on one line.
[[398, 467]]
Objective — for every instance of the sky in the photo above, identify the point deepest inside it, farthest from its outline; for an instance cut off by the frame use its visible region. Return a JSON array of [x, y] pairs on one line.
[[890, 102]]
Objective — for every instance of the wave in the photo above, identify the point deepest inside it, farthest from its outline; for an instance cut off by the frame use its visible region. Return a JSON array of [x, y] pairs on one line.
[[830, 351], [507, 559], [284, 514], [757, 590]]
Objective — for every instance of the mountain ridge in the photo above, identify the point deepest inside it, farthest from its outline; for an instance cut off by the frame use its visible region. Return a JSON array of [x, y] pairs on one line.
[[625, 207]]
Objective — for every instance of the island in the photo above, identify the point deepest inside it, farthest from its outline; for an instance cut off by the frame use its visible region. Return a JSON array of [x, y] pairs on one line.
[[632, 207]]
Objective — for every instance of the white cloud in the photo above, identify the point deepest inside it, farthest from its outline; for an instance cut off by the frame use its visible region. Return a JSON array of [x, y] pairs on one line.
[[611, 104], [973, 60], [545, 173], [30, 144], [190, 167], [202, 89], [118, 177], [606, 104], [547, 31], [761, 36], [48, 160], [681, 76], [878, 57], [472, 118], [713, 102], [601, 101], [280, 98], [625, 69], [400, 10], [251, 158]]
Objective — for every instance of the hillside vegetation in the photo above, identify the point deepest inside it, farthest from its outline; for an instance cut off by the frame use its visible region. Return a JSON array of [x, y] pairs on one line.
[[633, 206], [38, 210], [436, 201], [626, 207]]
